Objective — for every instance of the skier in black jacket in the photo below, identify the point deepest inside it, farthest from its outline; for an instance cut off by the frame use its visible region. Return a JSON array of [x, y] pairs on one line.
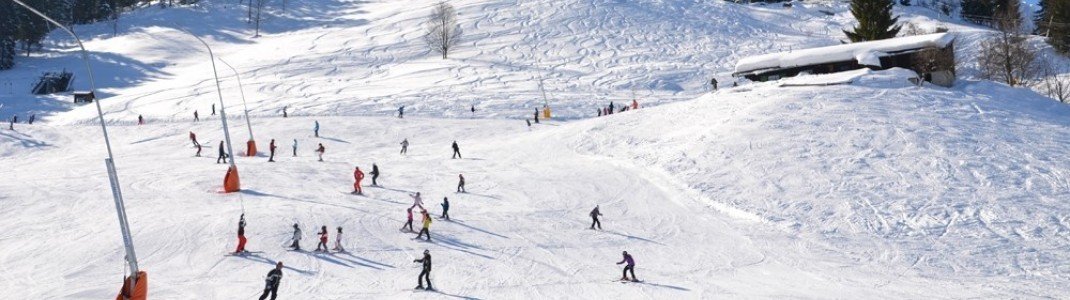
[[222, 153], [274, 277], [425, 274], [375, 174], [456, 150], [594, 217]]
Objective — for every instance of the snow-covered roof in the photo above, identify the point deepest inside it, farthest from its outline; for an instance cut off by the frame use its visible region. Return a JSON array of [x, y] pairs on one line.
[[865, 53]]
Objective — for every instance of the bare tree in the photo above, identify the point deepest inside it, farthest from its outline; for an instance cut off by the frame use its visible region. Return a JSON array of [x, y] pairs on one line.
[[1008, 56], [1055, 81], [442, 30], [259, 6]]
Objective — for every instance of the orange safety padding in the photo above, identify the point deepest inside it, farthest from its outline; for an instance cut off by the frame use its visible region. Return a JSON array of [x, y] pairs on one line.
[[230, 182], [141, 289], [250, 148], [546, 112]]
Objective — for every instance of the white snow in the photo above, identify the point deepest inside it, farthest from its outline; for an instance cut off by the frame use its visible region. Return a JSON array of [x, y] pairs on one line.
[[865, 53], [868, 189]]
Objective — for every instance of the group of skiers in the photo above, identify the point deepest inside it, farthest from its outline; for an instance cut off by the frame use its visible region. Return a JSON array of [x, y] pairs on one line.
[[15, 119], [610, 109]]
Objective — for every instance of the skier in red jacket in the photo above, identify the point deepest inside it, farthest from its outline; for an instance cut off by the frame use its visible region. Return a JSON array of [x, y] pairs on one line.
[[358, 175]]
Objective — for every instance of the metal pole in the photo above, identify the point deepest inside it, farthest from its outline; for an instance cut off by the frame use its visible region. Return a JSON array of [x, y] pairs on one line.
[[241, 89], [113, 176], [219, 92]]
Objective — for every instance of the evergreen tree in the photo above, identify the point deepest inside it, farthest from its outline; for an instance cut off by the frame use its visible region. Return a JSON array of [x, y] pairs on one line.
[[978, 11], [31, 29], [875, 21], [1053, 21], [7, 35]]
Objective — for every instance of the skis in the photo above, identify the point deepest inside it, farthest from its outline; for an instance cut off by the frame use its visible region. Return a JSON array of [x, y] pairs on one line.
[[243, 253]]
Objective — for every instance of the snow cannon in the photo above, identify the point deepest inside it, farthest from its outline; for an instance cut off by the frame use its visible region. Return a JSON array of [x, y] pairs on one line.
[[250, 148], [546, 112], [230, 182], [140, 290]]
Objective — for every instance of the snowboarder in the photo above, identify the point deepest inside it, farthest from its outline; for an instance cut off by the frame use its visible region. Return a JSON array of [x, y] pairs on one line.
[[460, 184], [272, 148], [446, 208], [241, 235], [32, 117], [630, 266], [274, 277], [338, 241], [284, 114], [416, 201], [222, 154], [323, 239], [594, 218], [409, 222], [536, 116], [196, 117], [321, 150], [296, 245], [316, 129], [358, 175], [457, 150], [713, 82], [375, 174], [213, 109], [425, 274], [140, 120], [295, 147], [405, 146], [401, 112], [635, 104], [427, 226]]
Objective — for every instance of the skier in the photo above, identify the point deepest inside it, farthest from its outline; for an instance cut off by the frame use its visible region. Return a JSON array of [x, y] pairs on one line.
[[297, 238], [193, 137], [241, 235], [446, 208], [405, 146], [425, 274], [460, 184], [321, 150], [409, 222], [316, 129], [32, 117], [338, 241], [529, 123], [11, 124], [611, 107], [594, 218], [473, 110], [628, 267], [713, 82], [140, 120], [222, 154], [272, 148], [401, 112], [599, 112], [457, 150], [295, 147], [375, 174], [274, 277], [635, 104], [358, 175], [213, 109], [536, 116], [284, 114], [196, 117], [323, 239], [427, 226], [416, 201]]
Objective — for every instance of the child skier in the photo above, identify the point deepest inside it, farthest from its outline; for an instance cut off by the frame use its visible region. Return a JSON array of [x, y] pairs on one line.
[[358, 176], [409, 222], [297, 238], [416, 201], [375, 174], [241, 235], [425, 273], [446, 208], [320, 151], [594, 218], [338, 241], [427, 226], [630, 266], [456, 150], [323, 239], [272, 148], [274, 277], [460, 184]]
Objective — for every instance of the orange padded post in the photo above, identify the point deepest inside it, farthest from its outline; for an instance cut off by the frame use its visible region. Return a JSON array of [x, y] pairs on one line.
[[250, 148], [141, 288], [230, 182]]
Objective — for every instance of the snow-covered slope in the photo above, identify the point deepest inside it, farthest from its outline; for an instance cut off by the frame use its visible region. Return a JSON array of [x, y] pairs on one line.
[[872, 190]]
